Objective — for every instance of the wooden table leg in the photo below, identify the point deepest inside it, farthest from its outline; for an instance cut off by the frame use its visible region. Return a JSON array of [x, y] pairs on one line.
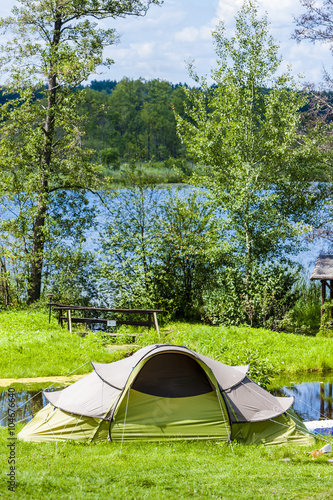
[[156, 324], [69, 320]]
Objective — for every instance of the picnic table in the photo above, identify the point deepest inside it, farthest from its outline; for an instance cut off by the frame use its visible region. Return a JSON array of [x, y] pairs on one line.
[[65, 314]]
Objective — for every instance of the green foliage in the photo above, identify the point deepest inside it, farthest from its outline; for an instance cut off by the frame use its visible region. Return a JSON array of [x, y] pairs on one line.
[[68, 275], [304, 317], [136, 120], [159, 248], [261, 370], [110, 157], [162, 172], [326, 320], [246, 133], [260, 300], [189, 250], [65, 263]]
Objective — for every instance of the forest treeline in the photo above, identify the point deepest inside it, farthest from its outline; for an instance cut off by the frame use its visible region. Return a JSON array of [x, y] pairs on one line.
[[133, 119]]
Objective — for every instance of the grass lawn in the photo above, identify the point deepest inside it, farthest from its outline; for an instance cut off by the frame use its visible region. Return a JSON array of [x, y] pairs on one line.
[[31, 347], [166, 471]]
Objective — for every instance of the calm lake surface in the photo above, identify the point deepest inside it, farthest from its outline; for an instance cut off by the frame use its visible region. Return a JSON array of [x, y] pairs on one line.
[[313, 400], [307, 257]]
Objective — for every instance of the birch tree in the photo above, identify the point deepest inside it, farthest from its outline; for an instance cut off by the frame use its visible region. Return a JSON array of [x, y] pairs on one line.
[[247, 134]]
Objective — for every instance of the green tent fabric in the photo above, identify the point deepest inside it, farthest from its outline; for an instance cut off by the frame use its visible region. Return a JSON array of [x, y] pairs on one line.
[[155, 418], [166, 392]]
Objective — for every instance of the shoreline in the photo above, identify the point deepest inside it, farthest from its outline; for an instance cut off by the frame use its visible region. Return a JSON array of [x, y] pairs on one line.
[[6, 382]]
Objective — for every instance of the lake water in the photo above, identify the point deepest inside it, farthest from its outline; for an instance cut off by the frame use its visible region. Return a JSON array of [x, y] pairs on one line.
[[313, 400], [28, 402], [307, 257]]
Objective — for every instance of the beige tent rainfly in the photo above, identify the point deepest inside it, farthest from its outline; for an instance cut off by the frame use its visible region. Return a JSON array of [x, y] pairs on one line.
[[166, 392]]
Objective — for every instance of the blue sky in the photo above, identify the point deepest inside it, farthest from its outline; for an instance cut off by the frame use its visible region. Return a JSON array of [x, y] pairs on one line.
[[157, 45]]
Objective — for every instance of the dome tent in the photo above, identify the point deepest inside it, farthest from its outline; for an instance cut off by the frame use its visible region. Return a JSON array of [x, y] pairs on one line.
[[166, 392]]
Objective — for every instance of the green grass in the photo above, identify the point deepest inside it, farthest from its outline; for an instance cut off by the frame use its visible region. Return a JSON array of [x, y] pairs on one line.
[[152, 174], [281, 352], [166, 470], [31, 347]]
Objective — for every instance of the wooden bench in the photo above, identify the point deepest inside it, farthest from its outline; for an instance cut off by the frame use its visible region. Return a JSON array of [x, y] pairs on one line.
[[63, 308]]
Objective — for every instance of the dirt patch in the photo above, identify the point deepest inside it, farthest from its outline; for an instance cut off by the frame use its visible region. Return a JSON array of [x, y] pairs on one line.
[[5, 382]]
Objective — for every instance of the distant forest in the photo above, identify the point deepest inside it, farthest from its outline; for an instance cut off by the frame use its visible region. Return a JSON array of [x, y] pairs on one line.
[[133, 120], [130, 120]]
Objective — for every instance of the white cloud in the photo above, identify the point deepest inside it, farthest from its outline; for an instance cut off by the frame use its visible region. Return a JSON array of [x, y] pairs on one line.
[[188, 34], [142, 50]]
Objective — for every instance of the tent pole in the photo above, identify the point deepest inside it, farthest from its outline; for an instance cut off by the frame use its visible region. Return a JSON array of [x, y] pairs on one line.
[[122, 437], [224, 420]]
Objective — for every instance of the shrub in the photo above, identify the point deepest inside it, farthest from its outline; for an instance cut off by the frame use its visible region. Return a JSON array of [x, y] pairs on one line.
[[304, 317], [260, 299]]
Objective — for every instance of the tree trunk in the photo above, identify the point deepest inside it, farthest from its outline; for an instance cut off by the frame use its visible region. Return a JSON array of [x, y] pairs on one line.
[[38, 236], [36, 263], [4, 282], [248, 269]]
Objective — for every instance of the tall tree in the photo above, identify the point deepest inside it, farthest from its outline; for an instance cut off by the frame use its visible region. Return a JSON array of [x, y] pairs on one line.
[[52, 46], [316, 25], [246, 133]]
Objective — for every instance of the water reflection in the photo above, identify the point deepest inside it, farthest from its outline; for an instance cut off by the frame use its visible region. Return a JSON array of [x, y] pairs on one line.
[[313, 400], [27, 404]]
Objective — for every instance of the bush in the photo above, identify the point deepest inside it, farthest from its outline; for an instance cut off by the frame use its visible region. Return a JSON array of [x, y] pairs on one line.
[[304, 317], [260, 299]]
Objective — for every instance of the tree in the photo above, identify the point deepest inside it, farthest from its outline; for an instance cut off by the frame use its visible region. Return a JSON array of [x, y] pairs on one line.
[[317, 22], [316, 25], [54, 45], [190, 250], [246, 133], [159, 247]]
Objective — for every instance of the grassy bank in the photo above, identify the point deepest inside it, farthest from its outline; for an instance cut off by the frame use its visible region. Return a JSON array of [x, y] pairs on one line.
[[166, 470], [31, 347], [278, 351]]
